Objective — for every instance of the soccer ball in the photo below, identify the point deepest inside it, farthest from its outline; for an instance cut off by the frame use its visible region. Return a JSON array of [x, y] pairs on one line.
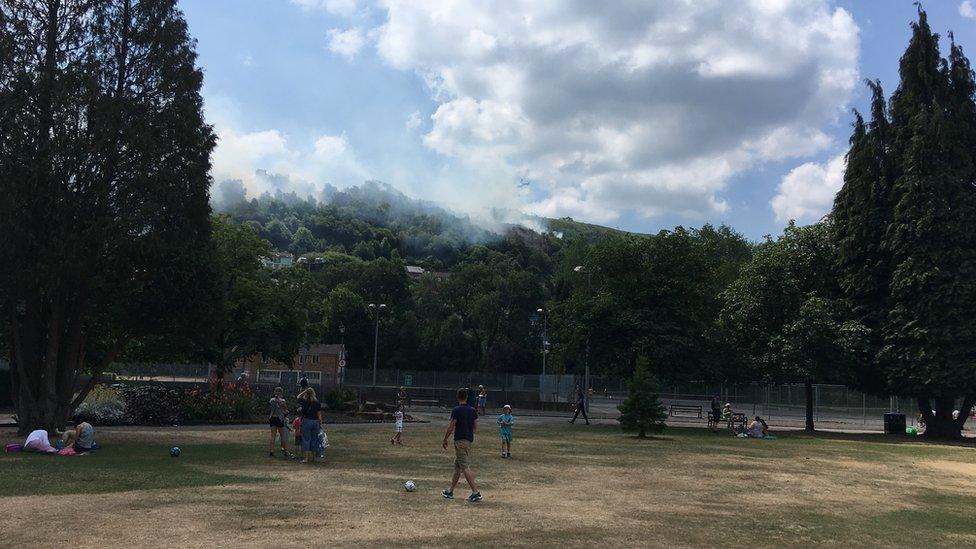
[[175, 451], [410, 486]]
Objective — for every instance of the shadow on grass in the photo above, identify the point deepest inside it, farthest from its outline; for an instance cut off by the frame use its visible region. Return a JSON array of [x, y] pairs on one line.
[[877, 438], [122, 467]]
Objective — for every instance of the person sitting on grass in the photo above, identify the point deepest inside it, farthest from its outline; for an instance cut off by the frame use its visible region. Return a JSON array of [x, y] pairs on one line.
[[81, 438], [758, 428], [276, 420], [37, 441], [505, 422], [311, 424]]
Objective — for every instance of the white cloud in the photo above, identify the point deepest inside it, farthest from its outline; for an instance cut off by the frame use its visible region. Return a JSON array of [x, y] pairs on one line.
[[345, 8], [267, 160], [346, 43], [967, 10], [648, 107], [414, 120], [807, 193]]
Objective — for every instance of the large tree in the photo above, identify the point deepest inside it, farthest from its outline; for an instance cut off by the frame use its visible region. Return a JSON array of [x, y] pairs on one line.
[[784, 316], [104, 165], [907, 239]]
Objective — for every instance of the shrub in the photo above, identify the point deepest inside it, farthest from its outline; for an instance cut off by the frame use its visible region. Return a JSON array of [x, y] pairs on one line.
[[102, 406], [642, 410], [152, 404], [220, 402], [340, 399]]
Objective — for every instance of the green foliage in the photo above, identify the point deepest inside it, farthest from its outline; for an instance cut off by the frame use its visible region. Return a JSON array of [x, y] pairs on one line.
[[262, 310], [340, 399], [906, 230], [103, 406], [104, 177], [152, 405], [642, 410]]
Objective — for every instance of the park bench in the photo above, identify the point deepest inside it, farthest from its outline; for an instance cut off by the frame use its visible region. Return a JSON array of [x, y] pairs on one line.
[[738, 419], [676, 409], [424, 402]]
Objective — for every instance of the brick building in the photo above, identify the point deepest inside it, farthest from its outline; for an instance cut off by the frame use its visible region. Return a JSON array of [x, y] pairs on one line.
[[323, 364]]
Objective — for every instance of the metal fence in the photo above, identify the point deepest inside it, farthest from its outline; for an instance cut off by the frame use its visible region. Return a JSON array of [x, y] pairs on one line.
[[779, 403]]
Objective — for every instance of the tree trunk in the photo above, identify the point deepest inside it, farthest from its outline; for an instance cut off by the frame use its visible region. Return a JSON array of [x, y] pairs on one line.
[[939, 423], [808, 389]]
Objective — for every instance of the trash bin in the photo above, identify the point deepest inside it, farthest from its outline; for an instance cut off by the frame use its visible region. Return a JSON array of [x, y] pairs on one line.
[[894, 423]]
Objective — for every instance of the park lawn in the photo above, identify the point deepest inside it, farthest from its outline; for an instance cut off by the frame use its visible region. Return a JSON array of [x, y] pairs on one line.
[[566, 486]]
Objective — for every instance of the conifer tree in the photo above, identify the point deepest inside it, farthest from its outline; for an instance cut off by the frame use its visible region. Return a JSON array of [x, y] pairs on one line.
[[906, 231], [642, 411]]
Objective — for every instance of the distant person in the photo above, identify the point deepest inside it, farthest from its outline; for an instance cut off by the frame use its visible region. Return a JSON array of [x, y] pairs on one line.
[[716, 412], [296, 427], [242, 380], [303, 382], [402, 396], [482, 399], [727, 412], [464, 423], [580, 406], [277, 415], [472, 397], [757, 429], [81, 438], [38, 441], [311, 424], [505, 422], [398, 426]]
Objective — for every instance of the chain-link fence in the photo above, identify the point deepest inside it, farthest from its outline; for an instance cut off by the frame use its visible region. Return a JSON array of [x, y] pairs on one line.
[[554, 392]]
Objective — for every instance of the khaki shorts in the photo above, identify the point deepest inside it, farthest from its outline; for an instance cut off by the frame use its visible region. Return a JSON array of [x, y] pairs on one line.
[[462, 448]]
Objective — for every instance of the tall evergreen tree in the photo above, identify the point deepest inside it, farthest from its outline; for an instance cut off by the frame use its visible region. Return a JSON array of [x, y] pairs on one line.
[[906, 231], [860, 218], [104, 167]]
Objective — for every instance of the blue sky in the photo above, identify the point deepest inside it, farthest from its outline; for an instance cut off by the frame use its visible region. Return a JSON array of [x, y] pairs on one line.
[[643, 115]]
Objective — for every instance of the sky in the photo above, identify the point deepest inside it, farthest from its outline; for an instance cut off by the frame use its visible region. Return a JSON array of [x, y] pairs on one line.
[[640, 115]]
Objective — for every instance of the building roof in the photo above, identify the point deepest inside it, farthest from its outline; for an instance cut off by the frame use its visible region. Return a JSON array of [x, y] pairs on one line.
[[414, 270], [321, 349]]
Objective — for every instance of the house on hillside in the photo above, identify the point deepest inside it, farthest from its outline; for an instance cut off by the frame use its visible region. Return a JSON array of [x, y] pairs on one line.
[[415, 272], [278, 260], [323, 364]]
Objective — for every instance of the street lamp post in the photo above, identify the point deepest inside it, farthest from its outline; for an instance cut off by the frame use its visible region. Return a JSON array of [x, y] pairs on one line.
[[586, 357], [376, 336], [545, 348]]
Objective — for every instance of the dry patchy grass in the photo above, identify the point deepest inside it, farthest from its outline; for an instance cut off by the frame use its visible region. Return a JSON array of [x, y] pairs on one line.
[[567, 486]]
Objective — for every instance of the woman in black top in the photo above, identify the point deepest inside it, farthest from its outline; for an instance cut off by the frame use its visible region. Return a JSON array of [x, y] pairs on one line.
[[311, 424]]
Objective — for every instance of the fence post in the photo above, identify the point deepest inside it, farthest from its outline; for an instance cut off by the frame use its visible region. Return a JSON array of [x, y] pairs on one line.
[[816, 401], [864, 409]]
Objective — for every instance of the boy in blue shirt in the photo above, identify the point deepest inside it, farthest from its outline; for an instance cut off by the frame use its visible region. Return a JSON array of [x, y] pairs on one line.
[[505, 422]]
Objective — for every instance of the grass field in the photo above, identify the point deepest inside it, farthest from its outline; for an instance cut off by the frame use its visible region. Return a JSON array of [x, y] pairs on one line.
[[566, 486]]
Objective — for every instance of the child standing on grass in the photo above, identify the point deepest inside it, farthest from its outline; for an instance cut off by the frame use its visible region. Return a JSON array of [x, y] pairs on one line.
[[296, 426], [398, 426], [505, 422]]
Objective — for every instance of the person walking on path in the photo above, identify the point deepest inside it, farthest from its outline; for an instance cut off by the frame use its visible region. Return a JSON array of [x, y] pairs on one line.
[[464, 423], [580, 406]]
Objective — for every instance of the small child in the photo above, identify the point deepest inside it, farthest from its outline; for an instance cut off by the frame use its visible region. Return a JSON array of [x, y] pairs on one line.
[[398, 426], [505, 422], [296, 426]]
